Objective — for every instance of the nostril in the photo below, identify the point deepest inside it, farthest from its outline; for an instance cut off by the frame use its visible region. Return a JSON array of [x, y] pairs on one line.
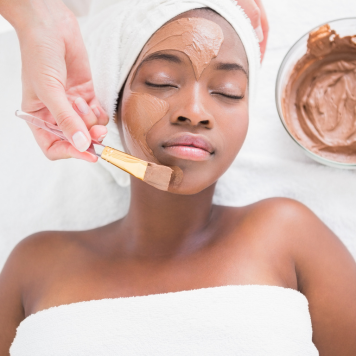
[[181, 119], [205, 122]]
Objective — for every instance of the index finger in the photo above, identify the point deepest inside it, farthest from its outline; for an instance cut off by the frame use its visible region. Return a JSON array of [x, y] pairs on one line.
[[54, 148], [265, 27], [253, 12], [67, 118]]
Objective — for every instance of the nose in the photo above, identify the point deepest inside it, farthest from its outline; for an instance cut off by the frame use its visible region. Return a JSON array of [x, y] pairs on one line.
[[192, 110]]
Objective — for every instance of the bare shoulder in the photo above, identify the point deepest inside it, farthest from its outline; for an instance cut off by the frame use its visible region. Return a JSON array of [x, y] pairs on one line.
[[291, 222], [281, 219], [325, 270], [25, 263], [30, 258], [38, 249], [284, 210], [272, 208], [33, 259]]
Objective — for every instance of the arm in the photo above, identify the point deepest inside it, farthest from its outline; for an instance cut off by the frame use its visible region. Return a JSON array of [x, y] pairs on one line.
[[21, 279], [326, 274], [11, 309]]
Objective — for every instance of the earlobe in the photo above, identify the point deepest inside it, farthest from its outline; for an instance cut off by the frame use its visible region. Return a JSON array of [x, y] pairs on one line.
[[118, 109], [118, 121]]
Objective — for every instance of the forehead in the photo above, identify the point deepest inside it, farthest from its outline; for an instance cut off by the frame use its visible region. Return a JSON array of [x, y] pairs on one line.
[[231, 48]]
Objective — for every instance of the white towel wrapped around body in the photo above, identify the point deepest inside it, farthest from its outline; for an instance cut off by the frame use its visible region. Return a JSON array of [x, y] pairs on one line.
[[249, 320]]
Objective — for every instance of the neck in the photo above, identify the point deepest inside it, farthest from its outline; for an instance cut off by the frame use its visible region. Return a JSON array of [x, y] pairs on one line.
[[163, 224]]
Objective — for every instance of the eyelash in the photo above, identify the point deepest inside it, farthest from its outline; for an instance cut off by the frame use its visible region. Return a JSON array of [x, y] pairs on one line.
[[234, 97], [160, 85]]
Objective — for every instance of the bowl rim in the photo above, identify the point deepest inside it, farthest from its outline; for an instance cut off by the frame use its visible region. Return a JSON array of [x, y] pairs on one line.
[[313, 155]]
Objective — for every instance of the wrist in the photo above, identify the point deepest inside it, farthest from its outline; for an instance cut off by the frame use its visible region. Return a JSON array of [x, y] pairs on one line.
[[29, 14]]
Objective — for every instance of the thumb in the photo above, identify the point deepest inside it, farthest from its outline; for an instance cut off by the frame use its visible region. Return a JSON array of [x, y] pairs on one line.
[[67, 119]]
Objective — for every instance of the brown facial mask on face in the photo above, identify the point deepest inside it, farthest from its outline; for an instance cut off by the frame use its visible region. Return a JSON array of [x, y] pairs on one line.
[[200, 40], [141, 105]]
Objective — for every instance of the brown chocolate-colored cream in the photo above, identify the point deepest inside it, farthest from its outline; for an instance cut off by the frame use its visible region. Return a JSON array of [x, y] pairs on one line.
[[319, 101]]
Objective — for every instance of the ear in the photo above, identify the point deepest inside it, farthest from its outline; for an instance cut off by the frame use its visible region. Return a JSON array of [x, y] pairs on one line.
[[117, 115], [118, 120]]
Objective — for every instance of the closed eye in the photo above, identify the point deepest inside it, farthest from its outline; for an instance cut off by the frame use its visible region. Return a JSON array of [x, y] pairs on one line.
[[235, 97], [154, 85]]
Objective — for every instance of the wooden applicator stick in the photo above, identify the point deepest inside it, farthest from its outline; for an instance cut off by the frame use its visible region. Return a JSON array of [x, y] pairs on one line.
[[151, 173]]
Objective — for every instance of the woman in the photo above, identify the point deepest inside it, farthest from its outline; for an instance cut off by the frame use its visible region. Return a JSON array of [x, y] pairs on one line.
[[232, 279]]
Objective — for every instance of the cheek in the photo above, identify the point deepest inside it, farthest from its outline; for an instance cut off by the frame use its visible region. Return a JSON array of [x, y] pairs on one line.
[[233, 131], [236, 132], [140, 112]]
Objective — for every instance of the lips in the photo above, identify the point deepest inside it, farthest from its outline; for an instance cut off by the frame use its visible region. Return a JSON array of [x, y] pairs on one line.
[[189, 146]]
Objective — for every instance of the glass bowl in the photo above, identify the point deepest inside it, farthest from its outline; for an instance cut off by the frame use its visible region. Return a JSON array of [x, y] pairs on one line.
[[344, 27]]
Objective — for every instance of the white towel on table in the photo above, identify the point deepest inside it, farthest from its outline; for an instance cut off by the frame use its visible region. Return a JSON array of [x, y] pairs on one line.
[[247, 320]]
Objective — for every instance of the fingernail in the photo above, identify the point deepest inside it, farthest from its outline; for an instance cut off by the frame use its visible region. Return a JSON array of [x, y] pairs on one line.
[[101, 138], [259, 33], [82, 105], [81, 143], [96, 111]]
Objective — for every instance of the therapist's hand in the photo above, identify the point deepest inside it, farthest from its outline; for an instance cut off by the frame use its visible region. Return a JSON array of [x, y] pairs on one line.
[[257, 14], [56, 77]]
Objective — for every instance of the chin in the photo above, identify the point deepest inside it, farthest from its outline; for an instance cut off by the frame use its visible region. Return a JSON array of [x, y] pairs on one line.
[[191, 185]]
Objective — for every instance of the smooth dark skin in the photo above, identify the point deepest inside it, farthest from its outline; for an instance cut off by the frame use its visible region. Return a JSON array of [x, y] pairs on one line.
[[172, 242]]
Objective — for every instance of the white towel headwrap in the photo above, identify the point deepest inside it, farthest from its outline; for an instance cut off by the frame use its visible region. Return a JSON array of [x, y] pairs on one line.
[[116, 35]]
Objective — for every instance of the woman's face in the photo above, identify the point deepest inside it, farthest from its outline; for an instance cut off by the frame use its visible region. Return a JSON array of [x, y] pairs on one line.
[[185, 102]]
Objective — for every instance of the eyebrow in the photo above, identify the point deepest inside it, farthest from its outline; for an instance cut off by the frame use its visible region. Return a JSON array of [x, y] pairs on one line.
[[174, 59], [230, 66], [163, 56]]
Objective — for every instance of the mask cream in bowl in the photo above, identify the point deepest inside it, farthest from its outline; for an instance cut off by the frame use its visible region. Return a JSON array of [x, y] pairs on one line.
[[316, 93]]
